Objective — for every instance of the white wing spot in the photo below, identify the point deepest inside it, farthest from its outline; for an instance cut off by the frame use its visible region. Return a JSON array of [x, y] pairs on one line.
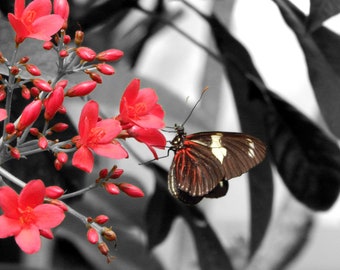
[[217, 149], [251, 150]]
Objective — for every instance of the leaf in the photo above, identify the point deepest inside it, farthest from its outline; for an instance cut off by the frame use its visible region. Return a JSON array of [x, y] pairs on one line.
[[239, 68], [307, 159], [324, 78], [161, 212], [320, 11]]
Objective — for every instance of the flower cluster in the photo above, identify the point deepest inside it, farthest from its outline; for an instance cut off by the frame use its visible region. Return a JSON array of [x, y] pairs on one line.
[[38, 209]]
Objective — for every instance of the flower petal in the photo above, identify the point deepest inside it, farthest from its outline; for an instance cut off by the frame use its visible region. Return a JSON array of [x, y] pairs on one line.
[[29, 239], [9, 226], [83, 159], [111, 150], [130, 93], [45, 27], [149, 121], [112, 128], [48, 216], [9, 202], [147, 96], [32, 194], [3, 114], [88, 118], [37, 7]]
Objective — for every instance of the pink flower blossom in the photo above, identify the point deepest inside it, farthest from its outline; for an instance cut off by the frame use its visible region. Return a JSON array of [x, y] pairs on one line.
[[96, 136], [139, 107], [34, 21], [25, 215]]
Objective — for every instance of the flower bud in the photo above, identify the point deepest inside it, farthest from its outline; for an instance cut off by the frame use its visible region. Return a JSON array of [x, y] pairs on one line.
[[101, 219], [79, 37], [14, 70], [103, 173], [33, 70], [42, 142], [81, 89], [15, 152], [10, 128], [110, 55], [24, 60], [131, 190], [62, 8], [54, 192], [48, 45], [29, 114], [53, 102], [25, 92], [117, 173], [2, 93], [42, 85], [62, 110], [35, 91], [95, 77], [58, 165], [59, 127], [103, 248], [105, 69], [109, 234], [62, 157], [63, 53], [111, 188], [86, 53], [47, 233], [92, 236], [34, 132], [67, 39], [61, 83]]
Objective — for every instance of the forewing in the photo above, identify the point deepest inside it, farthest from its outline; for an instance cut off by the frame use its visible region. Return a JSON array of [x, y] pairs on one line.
[[237, 152]]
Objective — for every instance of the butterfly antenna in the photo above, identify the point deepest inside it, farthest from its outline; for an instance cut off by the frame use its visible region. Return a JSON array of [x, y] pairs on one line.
[[193, 108]]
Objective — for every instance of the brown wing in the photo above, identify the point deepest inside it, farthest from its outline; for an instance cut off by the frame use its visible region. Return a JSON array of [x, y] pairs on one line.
[[243, 151], [209, 157]]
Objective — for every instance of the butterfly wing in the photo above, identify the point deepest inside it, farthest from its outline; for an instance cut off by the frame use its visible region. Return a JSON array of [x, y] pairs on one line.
[[207, 158]]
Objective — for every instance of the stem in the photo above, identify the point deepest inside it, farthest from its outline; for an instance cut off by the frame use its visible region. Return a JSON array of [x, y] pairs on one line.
[[6, 174], [79, 192]]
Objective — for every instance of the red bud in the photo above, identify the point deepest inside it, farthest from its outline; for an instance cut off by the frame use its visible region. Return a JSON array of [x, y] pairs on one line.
[[81, 89], [54, 192], [47, 233], [42, 85], [48, 45], [42, 142], [33, 69], [110, 55], [86, 53], [101, 219], [111, 188], [29, 114], [59, 127], [131, 190], [53, 102], [92, 236], [105, 69]]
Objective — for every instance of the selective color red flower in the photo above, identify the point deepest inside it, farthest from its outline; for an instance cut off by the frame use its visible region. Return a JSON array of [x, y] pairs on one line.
[[139, 107], [26, 214], [96, 136], [34, 21]]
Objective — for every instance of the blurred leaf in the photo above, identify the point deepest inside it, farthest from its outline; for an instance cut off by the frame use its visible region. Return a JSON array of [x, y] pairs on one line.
[[162, 209], [307, 159], [161, 212], [324, 78], [239, 68], [320, 11]]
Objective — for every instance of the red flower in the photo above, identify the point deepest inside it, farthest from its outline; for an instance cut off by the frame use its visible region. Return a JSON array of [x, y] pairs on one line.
[[25, 215], [3, 114], [97, 136], [150, 136], [139, 107], [34, 21]]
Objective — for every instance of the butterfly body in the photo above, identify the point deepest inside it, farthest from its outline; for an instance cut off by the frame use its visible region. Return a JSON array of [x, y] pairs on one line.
[[204, 161]]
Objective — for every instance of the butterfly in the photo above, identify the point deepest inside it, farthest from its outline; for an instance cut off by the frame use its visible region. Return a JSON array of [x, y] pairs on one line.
[[204, 161]]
